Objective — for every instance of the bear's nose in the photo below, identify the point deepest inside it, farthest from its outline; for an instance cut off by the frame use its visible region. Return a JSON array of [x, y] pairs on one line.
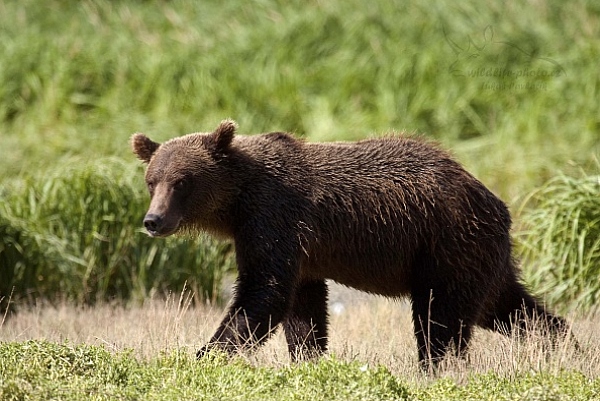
[[152, 222]]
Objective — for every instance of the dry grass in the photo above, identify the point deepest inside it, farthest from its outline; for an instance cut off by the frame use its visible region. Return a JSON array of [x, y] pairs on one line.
[[374, 331]]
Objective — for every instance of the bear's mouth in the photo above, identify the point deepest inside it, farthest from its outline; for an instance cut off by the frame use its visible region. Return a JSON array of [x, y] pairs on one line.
[[161, 234], [164, 232]]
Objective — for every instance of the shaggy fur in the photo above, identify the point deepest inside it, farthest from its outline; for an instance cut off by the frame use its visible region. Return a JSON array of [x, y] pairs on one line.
[[395, 216]]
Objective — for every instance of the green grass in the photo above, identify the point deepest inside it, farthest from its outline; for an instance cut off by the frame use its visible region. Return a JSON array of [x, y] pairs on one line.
[[561, 243], [79, 78], [74, 233], [39, 370]]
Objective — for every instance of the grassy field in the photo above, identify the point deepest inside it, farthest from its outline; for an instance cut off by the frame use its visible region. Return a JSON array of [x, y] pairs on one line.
[[111, 352], [511, 89], [68, 372], [146, 352]]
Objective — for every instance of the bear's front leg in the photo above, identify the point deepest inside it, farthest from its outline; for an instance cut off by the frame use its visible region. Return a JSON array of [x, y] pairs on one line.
[[263, 296], [305, 326]]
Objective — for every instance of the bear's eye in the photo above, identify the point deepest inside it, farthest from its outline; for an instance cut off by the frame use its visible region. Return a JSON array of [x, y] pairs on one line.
[[150, 186], [181, 184]]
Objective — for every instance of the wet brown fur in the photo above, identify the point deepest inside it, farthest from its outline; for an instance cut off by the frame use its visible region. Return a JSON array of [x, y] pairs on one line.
[[394, 216]]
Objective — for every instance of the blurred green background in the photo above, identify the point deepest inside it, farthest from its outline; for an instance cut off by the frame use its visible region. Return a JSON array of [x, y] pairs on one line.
[[512, 89]]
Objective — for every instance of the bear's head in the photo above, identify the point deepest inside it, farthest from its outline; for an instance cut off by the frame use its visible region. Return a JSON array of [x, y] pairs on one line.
[[186, 179]]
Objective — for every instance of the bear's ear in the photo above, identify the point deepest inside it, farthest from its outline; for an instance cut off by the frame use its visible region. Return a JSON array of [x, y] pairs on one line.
[[223, 135], [143, 147]]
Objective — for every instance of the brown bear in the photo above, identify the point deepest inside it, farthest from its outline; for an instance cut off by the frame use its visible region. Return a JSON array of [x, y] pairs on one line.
[[395, 216]]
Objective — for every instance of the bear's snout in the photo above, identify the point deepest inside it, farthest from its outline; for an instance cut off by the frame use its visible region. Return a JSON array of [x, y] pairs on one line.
[[161, 225], [153, 224]]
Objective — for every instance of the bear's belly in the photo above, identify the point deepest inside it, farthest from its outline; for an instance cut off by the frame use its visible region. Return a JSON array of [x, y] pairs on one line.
[[369, 276]]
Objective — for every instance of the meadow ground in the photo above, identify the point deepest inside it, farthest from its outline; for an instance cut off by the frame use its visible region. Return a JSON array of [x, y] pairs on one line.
[[146, 352], [371, 330]]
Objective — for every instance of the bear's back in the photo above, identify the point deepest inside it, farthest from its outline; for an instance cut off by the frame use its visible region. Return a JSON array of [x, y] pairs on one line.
[[387, 180]]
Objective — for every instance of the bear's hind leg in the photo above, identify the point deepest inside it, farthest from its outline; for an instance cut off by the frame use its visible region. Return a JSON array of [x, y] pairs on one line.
[[305, 326], [516, 309], [438, 329], [442, 317]]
